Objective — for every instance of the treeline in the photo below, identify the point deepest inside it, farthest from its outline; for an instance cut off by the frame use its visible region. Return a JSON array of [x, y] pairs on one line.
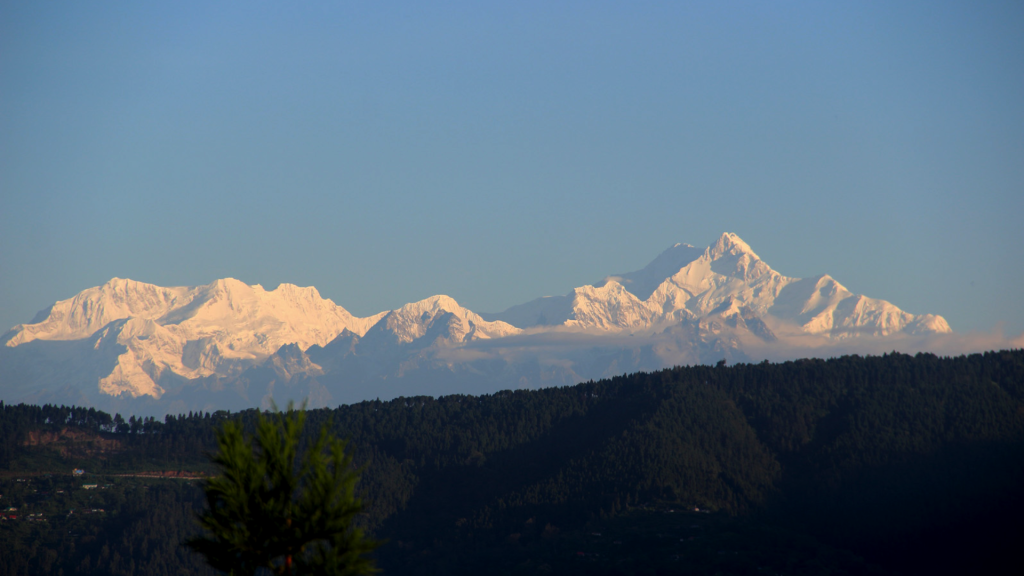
[[914, 462], [182, 439]]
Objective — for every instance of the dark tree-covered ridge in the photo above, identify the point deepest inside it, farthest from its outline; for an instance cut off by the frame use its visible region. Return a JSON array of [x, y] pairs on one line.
[[894, 457]]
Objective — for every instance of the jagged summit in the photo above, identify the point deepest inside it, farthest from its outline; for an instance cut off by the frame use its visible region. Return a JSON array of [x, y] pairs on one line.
[[188, 331], [94, 308], [688, 283], [729, 243], [413, 320]]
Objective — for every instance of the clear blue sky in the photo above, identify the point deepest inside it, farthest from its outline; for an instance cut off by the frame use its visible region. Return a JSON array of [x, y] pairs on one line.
[[496, 152]]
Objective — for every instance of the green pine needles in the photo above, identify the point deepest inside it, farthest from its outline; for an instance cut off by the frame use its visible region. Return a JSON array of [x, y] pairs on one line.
[[274, 509]]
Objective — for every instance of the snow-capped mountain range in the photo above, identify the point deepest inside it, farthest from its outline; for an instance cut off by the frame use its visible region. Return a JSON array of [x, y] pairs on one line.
[[230, 345], [686, 283]]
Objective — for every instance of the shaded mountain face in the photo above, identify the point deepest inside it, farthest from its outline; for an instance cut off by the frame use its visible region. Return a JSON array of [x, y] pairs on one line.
[[231, 345]]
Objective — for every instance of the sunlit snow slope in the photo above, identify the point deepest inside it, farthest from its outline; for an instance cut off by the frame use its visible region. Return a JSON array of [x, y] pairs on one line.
[[190, 331]]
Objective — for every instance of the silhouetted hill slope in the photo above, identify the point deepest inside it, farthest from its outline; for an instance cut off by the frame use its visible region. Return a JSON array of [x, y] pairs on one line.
[[914, 463]]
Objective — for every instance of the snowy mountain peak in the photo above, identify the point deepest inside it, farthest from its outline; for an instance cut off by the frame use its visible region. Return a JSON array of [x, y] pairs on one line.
[[687, 283], [732, 257], [608, 307], [92, 309], [198, 331], [412, 321], [729, 243], [431, 305], [645, 281], [233, 285]]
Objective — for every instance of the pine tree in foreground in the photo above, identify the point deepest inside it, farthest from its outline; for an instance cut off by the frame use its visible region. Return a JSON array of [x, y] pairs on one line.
[[275, 509]]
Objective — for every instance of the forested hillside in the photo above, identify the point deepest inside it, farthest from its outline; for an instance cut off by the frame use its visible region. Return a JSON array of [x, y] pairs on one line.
[[852, 465]]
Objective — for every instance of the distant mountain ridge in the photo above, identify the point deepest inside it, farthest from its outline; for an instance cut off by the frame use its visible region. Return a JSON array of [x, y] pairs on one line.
[[192, 332], [228, 344], [723, 278]]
